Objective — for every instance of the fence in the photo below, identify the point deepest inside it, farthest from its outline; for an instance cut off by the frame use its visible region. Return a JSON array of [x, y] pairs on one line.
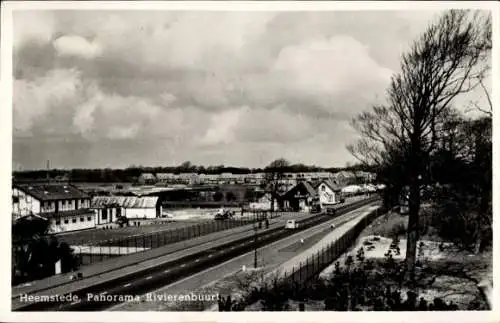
[[92, 253], [89, 253], [323, 258]]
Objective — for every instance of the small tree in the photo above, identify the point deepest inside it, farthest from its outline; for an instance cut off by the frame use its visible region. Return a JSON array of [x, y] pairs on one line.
[[274, 175]]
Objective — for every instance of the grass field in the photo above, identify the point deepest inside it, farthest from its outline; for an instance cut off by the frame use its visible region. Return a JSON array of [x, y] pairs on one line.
[[102, 236]]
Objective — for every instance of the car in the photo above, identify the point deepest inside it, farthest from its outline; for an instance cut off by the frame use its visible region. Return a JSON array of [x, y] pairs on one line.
[[224, 215], [291, 224]]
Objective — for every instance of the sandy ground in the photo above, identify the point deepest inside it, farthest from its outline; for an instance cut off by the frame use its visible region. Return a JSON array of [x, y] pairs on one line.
[[461, 291], [375, 247]]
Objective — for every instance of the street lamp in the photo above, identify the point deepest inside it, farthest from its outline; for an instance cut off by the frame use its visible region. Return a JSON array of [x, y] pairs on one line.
[[255, 242]]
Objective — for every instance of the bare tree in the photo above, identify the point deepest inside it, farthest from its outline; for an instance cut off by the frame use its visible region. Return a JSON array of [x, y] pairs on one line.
[[274, 176], [446, 61]]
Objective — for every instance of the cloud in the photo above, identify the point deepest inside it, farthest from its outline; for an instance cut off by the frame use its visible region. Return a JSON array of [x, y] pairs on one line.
[[44, 96], [330, 66], [238, 87], [222, 127], [32, 26], [73, 45]]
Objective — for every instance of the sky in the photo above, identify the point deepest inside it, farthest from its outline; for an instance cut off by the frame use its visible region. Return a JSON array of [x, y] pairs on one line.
[[112, 89]]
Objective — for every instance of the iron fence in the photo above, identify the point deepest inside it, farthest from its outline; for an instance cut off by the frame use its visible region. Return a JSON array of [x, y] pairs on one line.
[[326, 256], [90, 253]]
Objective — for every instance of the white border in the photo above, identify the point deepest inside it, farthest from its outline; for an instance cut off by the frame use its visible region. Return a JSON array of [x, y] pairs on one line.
[[6, 145]]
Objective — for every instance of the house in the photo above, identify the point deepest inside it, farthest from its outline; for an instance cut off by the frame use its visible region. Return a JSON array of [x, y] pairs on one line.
[[106, 212], [227, 178], [264, 203], [166, 178], [329, 192], [108, 208], [146, 179], [188, 178], [300, 197], [65, 207], [208, 179]]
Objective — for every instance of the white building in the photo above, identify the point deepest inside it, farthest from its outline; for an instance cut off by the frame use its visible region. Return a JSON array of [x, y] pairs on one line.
[[64, 206], [329, 192], [146, 179], [108, 208], [166, 178]]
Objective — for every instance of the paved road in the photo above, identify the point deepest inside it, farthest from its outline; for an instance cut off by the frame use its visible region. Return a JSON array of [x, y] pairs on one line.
[[271, 255], [134, 263]]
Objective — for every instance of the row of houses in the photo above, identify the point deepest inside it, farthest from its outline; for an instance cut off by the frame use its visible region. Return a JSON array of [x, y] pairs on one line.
[[67, 208], [343, 177], [306, 194]]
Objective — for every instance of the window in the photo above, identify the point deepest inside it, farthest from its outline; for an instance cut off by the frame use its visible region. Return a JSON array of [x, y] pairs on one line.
[[15, 199], [89, 218], [58, 222], [82, 219], [74, 220], [66, 221]]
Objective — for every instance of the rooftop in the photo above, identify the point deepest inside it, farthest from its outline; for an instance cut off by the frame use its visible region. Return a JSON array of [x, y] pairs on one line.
[[124, 201], [49, 192]]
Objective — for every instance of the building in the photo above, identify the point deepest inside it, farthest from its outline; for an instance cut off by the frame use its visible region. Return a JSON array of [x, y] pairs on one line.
[[165, 178], [209, 179], [299, 198], [188, 178], [65, 207], [108, 208], [106, 211], [329, 192], [146, 179]]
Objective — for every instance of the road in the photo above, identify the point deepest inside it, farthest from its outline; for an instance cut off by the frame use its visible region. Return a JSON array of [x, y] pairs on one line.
[[271, 256], [148, 274]]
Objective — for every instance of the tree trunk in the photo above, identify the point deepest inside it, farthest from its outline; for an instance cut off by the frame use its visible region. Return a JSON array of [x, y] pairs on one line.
[[414, 208], [477, 245]]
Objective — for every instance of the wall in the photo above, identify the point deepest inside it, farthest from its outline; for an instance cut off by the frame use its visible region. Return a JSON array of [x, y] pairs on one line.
[[26, 204], [87, 223], [150, 213], [111, 215], [326, 195]]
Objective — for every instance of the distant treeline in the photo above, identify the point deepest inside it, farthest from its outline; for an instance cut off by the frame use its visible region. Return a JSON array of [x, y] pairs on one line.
[[130, 174]]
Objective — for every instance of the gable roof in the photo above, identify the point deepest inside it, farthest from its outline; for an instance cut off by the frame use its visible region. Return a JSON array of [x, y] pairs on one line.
[[307, 186], [124, 201], [51, 192], [330, 183], [310, 189]]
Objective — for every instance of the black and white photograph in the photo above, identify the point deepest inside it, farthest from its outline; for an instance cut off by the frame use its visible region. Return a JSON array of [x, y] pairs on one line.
[[220, 158]]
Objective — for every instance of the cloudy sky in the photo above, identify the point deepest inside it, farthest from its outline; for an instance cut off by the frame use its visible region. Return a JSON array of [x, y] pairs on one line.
[[112, 89]]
